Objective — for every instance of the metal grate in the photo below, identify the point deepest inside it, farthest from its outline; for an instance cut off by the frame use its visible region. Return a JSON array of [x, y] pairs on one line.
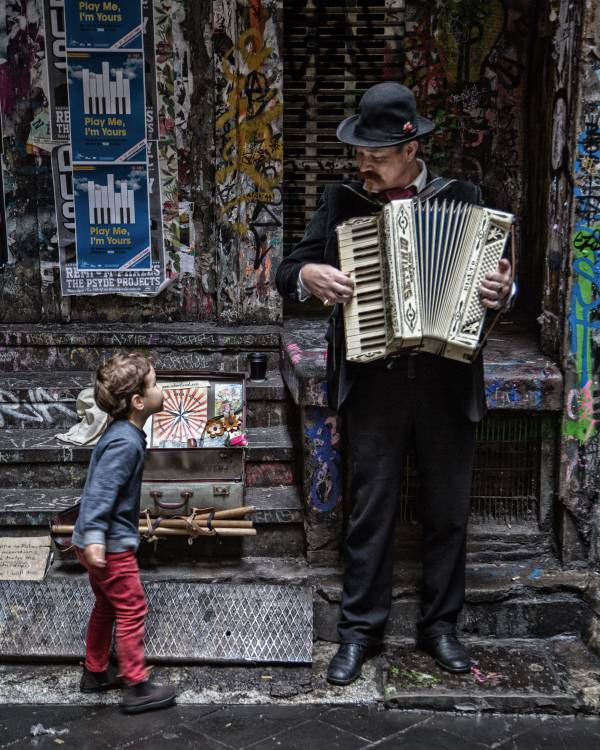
[[333, 52], [186, 621], [506, 474]]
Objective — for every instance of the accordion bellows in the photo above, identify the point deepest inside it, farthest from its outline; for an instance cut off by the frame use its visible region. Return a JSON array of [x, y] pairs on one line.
[[417, 266]]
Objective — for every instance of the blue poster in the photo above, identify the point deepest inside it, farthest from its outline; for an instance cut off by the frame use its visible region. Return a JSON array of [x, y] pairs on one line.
[[112, 221], [107, 106], [95, 24]]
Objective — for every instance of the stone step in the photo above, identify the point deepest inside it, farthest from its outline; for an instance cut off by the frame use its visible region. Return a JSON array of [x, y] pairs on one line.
[[35, 507], [36, 458], [175, 346], [280, 515], [42, 400], [553, 676], [502, 601], [507, 600]]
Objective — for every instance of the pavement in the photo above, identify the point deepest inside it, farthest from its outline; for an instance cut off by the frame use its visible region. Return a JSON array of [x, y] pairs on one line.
[[211, 727]]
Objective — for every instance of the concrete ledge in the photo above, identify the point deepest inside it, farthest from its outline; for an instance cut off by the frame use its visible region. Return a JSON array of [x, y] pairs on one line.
[[140, 335], [64, 386], [547, 677], [517, 375], [34, 507], [41, 446]]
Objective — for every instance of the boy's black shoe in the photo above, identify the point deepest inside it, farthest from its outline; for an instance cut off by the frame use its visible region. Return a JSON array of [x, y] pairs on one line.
[[146, 696], [98, 682]]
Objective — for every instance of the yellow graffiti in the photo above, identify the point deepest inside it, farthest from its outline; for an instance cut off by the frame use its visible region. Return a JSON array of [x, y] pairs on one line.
[[246, 127]]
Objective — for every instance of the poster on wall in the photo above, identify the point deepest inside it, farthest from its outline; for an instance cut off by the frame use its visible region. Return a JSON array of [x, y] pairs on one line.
[[182, 422], [3, 230], [56, 69], [98, 24], [112, 217], [106, 105], [131, 41], [105, 281]]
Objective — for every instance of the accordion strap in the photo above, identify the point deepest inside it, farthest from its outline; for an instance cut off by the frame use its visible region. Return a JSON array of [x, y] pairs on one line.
[[513, 265], [434, 187]]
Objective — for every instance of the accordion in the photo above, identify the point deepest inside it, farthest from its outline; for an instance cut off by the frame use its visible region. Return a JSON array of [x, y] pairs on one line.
[[417, 266]]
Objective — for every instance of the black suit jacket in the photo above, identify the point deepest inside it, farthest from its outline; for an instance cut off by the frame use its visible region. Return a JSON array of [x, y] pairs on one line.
[[339, 203]]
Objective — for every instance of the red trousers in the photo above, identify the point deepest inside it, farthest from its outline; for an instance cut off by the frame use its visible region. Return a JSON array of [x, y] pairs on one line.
[[119, 597]]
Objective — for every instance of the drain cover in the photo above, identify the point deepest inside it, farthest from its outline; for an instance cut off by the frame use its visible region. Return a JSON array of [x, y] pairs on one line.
[[186, 621]]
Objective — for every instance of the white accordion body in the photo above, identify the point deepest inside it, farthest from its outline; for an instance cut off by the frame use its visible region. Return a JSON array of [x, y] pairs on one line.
[[417, 267]]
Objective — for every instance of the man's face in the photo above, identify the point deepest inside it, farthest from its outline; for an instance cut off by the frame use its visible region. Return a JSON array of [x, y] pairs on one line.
[[386, 168]]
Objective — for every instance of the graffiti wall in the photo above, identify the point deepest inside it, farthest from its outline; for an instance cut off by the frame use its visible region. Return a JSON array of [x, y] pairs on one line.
[[189, 121], [580, 489], [474, 68], [249, 157]]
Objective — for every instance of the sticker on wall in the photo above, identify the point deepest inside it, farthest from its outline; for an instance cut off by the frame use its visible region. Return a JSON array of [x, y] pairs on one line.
[[97, 24], [112, 216]]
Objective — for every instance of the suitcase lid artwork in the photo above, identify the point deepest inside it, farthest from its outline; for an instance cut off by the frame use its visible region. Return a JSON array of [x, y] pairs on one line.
[[200, 434]]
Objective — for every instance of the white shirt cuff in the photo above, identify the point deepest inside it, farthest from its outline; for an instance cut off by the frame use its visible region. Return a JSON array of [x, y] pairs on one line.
[[301, 290]]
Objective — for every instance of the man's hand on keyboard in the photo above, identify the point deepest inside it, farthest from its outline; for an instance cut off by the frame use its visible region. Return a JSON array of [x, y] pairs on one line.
[[327, 283]]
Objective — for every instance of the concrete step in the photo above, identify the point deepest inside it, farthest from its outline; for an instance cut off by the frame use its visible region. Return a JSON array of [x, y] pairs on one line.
[[34, 507], [558, 676], [175, 346], [36, 458], [502, 601], [507, 600], [278, 520], [46, 400]]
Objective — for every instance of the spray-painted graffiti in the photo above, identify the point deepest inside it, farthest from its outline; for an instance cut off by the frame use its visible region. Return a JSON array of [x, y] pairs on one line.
[[249, 174], [470, 79], [581, 435], [39, 408], [584, 314], [583, 320], [324, 474]]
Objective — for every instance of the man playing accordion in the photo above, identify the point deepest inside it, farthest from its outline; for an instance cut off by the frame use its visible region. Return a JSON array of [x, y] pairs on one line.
[[431, 403]]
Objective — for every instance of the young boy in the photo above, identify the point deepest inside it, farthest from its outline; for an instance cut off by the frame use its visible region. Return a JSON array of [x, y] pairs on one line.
[[106, 533]]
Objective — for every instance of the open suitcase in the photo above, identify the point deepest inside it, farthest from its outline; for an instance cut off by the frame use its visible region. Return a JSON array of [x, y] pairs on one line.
[[195, 446]]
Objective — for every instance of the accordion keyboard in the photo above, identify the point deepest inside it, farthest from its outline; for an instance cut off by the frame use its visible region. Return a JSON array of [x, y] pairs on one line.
[[364, 315]]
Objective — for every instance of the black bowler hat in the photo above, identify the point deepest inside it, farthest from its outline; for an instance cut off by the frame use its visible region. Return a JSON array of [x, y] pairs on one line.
[[387, 115]]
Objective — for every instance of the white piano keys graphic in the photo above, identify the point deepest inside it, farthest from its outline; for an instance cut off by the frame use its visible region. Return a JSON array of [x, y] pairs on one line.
[[107, 206], [101, 96]]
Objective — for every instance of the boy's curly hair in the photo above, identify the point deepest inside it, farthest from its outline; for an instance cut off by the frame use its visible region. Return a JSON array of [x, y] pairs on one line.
[[118, 379]]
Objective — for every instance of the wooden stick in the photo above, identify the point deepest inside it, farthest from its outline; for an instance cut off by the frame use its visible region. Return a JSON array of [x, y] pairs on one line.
[[183, 532], [243, 510], [169, 531], [181, 523]]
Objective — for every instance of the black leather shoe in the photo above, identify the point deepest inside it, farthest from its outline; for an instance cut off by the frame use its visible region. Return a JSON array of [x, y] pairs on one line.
[[345, 666], [447, 651]]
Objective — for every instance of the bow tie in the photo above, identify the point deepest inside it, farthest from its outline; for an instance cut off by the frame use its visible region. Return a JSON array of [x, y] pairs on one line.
[[396, 194]]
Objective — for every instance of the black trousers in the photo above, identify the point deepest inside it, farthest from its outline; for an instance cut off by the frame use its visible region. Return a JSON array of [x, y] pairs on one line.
[[388, 411]]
